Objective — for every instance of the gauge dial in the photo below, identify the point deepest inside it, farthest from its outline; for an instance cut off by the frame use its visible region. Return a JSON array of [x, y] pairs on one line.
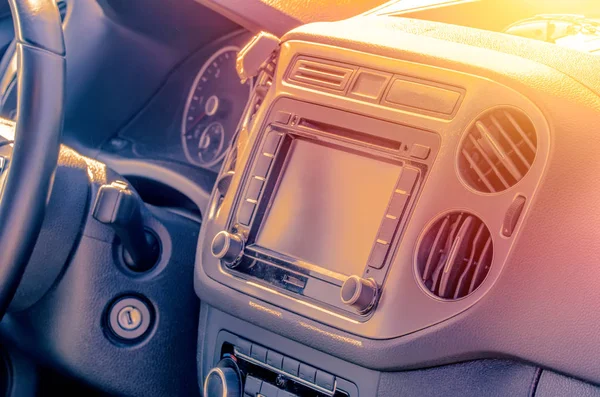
[[213, 109], [211, 142]]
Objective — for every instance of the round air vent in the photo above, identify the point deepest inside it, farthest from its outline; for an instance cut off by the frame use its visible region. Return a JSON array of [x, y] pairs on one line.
[[497, 150], [455, 255]]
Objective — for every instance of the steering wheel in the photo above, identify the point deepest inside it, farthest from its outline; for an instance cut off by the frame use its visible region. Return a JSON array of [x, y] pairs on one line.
[[31, 160]]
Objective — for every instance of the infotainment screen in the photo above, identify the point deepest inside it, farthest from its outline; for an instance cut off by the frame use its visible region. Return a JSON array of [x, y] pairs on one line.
[[328, 206]]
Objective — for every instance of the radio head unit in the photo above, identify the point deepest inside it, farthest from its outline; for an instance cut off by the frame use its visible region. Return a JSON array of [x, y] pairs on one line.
[[322, 207]]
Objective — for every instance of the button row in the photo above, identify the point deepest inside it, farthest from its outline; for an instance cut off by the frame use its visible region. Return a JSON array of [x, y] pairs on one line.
[[285, 364], [259, 174], [400, 197], [255, 386]]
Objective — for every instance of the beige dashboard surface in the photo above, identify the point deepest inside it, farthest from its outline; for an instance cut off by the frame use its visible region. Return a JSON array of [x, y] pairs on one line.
[[323, 10], [280, 16]]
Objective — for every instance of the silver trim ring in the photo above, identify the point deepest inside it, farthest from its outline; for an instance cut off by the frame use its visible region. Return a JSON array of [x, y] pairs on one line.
[[221, 375]]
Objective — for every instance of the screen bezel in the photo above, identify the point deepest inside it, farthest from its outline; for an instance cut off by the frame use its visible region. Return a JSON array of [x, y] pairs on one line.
[[272, 182]]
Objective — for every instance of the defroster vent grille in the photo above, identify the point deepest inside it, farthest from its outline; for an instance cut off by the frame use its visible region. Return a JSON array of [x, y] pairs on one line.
[[321, 74]]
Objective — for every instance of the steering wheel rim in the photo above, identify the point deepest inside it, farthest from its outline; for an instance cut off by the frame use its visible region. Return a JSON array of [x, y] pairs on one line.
[[41, 75]]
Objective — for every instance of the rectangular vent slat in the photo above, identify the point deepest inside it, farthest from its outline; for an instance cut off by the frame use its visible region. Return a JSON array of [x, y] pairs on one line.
[[498, 150], [454, 262], [512, 144], [305, 68], [321, 74], [465, 277], [491, 164], [436, 249], [478, 171], [520, 131], [334, 81], [437, 274], [480, 270]]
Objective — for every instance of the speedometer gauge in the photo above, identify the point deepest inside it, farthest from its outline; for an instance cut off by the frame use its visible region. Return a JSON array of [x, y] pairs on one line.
[[213, 109]]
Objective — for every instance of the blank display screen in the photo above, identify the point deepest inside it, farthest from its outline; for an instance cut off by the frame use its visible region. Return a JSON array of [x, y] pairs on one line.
[[328, 207]]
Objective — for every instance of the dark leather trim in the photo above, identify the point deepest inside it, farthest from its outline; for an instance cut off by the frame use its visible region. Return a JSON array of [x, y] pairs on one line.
[[40, 109], [38, 24]]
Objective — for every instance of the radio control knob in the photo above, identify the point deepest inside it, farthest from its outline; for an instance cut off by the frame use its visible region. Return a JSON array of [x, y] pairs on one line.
[[224, 380], [227, 247], [360, 293]]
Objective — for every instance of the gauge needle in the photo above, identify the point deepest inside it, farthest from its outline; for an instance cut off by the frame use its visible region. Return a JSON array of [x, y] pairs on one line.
[[195, 122]]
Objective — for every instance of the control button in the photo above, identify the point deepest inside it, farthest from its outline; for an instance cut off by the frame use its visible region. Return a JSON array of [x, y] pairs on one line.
[[290, 366], [268, 390], [359, 293], [282, 117], [129, 318], [512, 216], [243, 346], [307, 373], [283, 393], [271, 142], [246, 212], [419, 151], [274, 359], [422, 95], [407, 180], [397, 204], [252, 387], [254, 189], [227, 247], [387, 229], [263, 163], [325, 380], [377, 256], [259, 353], [369, 85]]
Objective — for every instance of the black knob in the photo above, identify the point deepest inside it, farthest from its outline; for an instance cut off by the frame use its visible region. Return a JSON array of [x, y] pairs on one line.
[[228, 247], [224, 380], [360, 293]]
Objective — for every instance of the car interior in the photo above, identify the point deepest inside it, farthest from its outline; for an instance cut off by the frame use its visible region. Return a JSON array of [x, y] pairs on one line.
[[290, 198]]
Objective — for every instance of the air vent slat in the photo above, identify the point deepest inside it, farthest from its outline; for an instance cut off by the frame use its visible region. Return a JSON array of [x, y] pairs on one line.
[[478, 171], [323, 72], [514, 147], [436, 249], [489, 161], [320, 78], [482, 266], [522, 133], [437, 273], [318, 73], [463, 261], [453, 265], [498, 150], [465, 277]]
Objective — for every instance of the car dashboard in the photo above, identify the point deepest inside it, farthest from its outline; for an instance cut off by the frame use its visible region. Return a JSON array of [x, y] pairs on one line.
[[393, 203], [427, 152]]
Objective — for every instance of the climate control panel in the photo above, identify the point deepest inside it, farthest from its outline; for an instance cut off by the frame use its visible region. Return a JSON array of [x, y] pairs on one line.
[[251, 370]]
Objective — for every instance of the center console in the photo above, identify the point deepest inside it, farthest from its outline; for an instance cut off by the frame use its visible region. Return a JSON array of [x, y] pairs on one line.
[[368, 199]]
